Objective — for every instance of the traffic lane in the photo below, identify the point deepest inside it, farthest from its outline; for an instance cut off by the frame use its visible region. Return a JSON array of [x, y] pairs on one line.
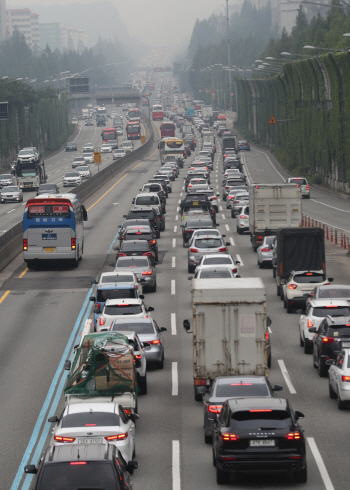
[[92, 263]]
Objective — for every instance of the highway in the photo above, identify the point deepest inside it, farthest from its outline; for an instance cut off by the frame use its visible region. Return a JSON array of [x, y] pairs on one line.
[[43, 312], [61, 162]]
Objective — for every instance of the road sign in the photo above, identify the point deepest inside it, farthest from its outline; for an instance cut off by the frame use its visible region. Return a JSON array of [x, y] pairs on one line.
[[272, 120], [232, 94], [143, 139], [212, 90], [97, 157], [229, 104]]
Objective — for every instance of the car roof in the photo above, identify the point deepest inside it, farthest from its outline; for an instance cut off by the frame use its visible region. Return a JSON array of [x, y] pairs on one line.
[[91, 406], [79, 452], [238, 404], [334, 286], [129, 301], [216, 255], [241, 379], [329, 302]]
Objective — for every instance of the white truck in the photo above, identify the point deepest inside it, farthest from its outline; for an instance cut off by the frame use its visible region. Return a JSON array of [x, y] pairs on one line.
[[207, 113], [85, 114], [273, 206], [229, 329]]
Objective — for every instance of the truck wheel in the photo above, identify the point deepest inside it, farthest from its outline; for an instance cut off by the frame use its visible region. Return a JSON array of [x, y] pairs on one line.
[[274, 272], [30, 264]]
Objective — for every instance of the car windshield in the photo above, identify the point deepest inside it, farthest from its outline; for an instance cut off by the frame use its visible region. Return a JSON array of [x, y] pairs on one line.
[[90, 419], [215, 274], [216, 260], [132, 262], [208, 243], [11, 189], [241, 389], [147, 200], [272, 419], [309, 278], [67, 476], [137, 327], [323, 311], [334, 293], [104, 294], [122, 309]]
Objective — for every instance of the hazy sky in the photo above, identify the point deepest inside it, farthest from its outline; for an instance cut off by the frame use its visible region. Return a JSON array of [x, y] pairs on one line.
[[155, 21]]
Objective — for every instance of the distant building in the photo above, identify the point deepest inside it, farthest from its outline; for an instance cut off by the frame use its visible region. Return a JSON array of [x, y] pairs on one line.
[[2, 20], [50, 34], [27, 23], [73, 38]]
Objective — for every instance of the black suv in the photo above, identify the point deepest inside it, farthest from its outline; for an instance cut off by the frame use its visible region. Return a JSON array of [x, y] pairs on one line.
[[81, 466], [132, 233], [146, 213], [253, 434], [327, 341]]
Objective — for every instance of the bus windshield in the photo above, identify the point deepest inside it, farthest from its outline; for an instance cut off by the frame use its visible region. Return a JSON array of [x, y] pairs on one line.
[[109, 134], [134, 113], [133, 128]]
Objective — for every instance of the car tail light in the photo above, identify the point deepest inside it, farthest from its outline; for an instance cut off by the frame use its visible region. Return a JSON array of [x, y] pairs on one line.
[[128, 411], [222, 249], [230, 437], [148, 254], [64, 439], [266, 249], [160, 217], [98, 305], [73, 243], [102, 320], [188, 231], [152, 242], [310, 323], [308, 187], [147, 273], [153, 342], [25, 244], [138, 356], [261, 410], [74, 463], [293, 286], [292, 436], [214, 408], [234, 271], [195, 142], [243, 216], [121, 254], [117, 437], [190, 185], [227, 187], [138, 233], [194, 250], [328, 340], [267, 335], [213, 198], [225, 156], [345, 378], [259, 238], [236, 202]]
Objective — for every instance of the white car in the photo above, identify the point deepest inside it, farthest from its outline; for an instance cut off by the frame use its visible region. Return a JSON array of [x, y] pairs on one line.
[[106, 148], [300, 283], [89, 157], [265, 251], [88, 147], [84, 171], [118, 154], [316, 310], [77, 162], [219, 260], [128, 146], [339, 376], [242, 220], [72, 179], [91, 422], [120, 308], [28, 155], [303, 183], [215, 272]]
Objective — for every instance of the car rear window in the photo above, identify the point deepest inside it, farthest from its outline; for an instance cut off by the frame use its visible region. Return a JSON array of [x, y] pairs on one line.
[[228, 390], [136, 245], [321, 312], [334, 293], [104, 294], [138, 235], [123, 309], [298, 181], [116, 278], [97, 475], [309, 278], [212, 232], [132, 262], [218, 274], [204, 223], [216, 260], [147, 200], [208, 243], [141, 214], [339, 331], [137, 327], [90, 419], [273, 419]]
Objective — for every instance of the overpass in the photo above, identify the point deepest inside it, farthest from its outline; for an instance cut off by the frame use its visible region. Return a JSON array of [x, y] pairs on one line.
[[114, 95]]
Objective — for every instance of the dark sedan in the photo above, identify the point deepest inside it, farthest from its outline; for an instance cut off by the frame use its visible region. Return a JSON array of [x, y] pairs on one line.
[[71, 147], [48, 189], [134, 248]]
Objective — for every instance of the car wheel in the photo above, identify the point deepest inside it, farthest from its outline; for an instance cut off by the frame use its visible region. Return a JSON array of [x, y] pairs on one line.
[[240, 232], [255, 249], [232, 215], [142, 380], [289, 307], [307, 347], [160, 364], [198, 397], [282, 295], [322, 370], [214, 459], [340, 403], [154, 288], [274, 272], [260, 265], [278, 290], [301, 475], [222, 477], [208, 439], [332, 393], [190, 268], [301, 342]]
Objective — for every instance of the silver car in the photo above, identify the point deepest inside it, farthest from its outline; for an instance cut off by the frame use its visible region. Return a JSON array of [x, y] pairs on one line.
[[265, 252], [88, 147], [89, 157], [205, 245], [231, 195], [147, 331], [106, 148], [84, 171], [118, 154], [11, 193], [143, 269], [241, 199], [5, 180], [303, 183]]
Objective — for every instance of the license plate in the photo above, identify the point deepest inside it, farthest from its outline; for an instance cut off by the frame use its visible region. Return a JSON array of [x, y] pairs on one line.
[[49, 236], [27, 185], [49, 249], [263, 442], [90, 440], [195, 203]]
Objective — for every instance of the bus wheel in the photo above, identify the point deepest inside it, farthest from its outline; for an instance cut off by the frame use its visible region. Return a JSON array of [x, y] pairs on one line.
[[76, 261]]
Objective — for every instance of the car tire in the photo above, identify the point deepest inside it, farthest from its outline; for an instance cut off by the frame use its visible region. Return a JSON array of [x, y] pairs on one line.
[[191, 269], [160, 364], [332, 393], [269, 361], [214, 459], [255, 249], [142, 381], [341, 405], [301, 342], [278, 291], [301, 475], [322, 370], [222, 477], [239, 231], [307, 347], [274, 272], [289, 307], [208, 439], [260, 265], [154, 288]]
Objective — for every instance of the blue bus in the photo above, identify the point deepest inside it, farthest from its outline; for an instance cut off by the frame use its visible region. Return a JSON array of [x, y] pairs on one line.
[[53, 229]]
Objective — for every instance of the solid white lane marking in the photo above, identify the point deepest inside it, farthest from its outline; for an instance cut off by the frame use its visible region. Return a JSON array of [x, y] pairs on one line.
[[175, 229], [223, 216], [232, 242], [173, 286], [320, 464], [174, 242], [175, 380], [220, 208], [227, 227], [173, 324], [240, 260], [176, 217], [286, 377], [176, 466], [173, 262]]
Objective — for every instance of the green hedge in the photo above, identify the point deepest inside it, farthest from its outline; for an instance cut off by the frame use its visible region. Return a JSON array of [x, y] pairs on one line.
[[317, 140]]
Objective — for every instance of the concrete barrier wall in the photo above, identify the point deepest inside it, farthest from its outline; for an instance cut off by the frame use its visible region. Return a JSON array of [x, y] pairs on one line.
[[11, 242]]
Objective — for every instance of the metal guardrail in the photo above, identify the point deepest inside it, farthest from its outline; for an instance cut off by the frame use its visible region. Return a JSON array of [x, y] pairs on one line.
[[11, 241]]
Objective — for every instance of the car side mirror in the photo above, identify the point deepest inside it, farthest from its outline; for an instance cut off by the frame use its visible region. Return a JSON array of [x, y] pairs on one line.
[[223, 236], [30, 469], [306, 295], [187, 326], [268, 321], [227, 244], [97, 310], [67, 365], [312, 330], [142, 296], [277, 388], [125, 215], [133, 201], [85, 215], [299, 415], [190, 278], [142, 280], [274, 262], [283, 281], [330, 279], [150, 308], [330, 362], [54, 419], [134, 417], [237, 262], [92, 298], [132, 465], [163, 329]]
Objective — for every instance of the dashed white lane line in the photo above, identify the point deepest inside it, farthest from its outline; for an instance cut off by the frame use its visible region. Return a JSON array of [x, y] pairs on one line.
[[286, 377], [227, 227], [239, 259], [175, 381], [183, 187], [173, 324], [232, 242], [220, 208], [174, 242], [176, 466], [178, 209], [173, 286], [175, 229], [173, 262], [181, 194], [179, 201], [223, 216], [14, 209], [320, 464], [176, 217], [269, 330]]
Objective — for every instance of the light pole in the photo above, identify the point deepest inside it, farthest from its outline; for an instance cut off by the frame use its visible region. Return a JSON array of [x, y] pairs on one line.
[[228, 50]]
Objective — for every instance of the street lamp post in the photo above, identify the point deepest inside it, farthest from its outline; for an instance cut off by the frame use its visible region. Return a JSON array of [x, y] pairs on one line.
[[228, 50]]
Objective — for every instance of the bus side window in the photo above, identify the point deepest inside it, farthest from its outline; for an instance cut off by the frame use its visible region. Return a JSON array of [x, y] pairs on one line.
[[85, 215]]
